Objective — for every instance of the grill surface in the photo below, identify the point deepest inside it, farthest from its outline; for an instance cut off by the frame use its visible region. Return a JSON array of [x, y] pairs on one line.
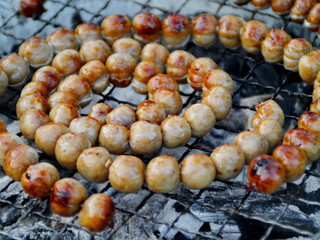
[[225, 210]]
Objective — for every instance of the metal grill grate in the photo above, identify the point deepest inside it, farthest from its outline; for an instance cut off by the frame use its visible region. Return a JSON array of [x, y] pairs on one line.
[[225, 210]]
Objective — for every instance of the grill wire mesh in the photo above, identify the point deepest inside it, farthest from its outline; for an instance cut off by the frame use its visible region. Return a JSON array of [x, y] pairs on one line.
[[225, 210]]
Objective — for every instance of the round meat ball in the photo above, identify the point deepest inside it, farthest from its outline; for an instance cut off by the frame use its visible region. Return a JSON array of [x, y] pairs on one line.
[[126, 174], [197, 171], [145, 137], [67, 62], [95, 50], [219, 100], [66, 197], [266, 174], [8, 140], [100, 112], [124, 115], [47, 136], [36, 51], [33, 101], [169, 99], [87, 126], [63, 39], [156, 53], [93, 164], [15, 67], [293, 159], [251, 144], [18, 159], [228, 160], [31, 120], [88, 31], [63, 113], [305, 140], [35, 88], [115, 138], [69, 147], [151, 111], [270, 130], [63, 97], [163, 174], [39, 178], [200, 118], [97, 212], [48, 75], [176, 131]]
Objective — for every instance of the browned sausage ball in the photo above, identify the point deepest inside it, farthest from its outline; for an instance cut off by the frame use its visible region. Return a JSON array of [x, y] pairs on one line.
[[198, 70], [95, 50], [63, 113], [156, 53], [47, 136], [66, 196], [87, 31], [306, 140], [95, 73], [161, 81], [151, 111], [31, 120], [18, 159], [266, 174], [100, 112], [115, 27], [293, 159], [36, 51], [39, 178], [7, 140], [49, 75], [121, 67], [15, 67], [169, 99], [128, 46], [63, 39], [219, 100], [200, 118], [176, 30], [251, 144], [97, 212], [252, 35], [67, 61], [32, 101], [124, 115], [63, 97], [178, 64], [229, 30], [146, 27], [293, 51], [273, 44], [204, 29], [35, 88]]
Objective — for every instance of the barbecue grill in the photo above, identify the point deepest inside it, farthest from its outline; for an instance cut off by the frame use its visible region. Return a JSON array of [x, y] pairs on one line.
[[224, 210]]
